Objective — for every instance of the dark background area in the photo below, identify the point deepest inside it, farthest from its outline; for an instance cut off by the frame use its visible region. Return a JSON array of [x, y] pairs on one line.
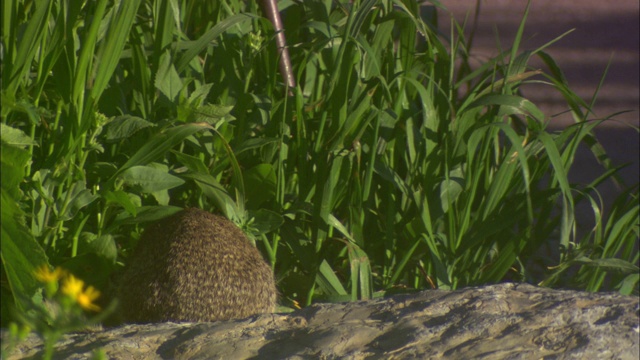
[[604, 32]]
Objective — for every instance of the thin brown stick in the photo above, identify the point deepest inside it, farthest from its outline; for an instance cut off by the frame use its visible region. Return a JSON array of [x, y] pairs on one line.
[[270, 7]]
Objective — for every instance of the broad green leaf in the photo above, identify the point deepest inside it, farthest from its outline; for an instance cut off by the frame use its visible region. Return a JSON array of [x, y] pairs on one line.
[[451, 188], [121, 198], [13, 136], [147, 179], [213, 113], [21, 253], [167, 79], [103, 246], [162, 197], [212, 189], [146, 214], [429, 114], [79, 197], [193, 163], [265, 221], [161, 143], [9, 104], [199, 95], [13, 166], [125, 126]]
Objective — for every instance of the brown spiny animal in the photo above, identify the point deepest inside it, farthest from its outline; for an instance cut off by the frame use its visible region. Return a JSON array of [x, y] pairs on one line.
[[195, 266]]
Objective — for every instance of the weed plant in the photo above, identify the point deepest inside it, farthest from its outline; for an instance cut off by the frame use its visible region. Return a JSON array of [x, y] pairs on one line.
[[391, 166]]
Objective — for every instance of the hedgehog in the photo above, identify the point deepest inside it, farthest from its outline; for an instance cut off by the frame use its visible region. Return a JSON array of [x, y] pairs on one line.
[[195, 266]]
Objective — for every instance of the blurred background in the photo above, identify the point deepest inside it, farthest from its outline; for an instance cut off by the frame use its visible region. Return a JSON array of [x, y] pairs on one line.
[[605, 31]]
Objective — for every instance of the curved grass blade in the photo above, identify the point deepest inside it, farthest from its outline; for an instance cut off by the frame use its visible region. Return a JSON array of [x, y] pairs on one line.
[[160, 144], [205, 40]]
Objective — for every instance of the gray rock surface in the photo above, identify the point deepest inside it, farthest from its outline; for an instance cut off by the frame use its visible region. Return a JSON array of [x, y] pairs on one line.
[[506, 321]]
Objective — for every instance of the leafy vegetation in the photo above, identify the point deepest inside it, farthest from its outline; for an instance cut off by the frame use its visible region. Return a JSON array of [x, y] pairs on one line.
[[391, 166]]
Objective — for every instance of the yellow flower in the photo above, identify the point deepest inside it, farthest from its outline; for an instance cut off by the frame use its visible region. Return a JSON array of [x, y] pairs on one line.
[[45, 275], [72, 286], [85, 299]]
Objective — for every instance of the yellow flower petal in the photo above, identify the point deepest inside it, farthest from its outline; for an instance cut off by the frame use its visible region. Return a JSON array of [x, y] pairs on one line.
[[85, 299], [45, 275], [72, 286]]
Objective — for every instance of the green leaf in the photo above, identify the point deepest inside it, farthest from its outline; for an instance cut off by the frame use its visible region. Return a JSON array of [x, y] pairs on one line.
[[121, 198], [212, 189], [147, 179], [16, 137], [361, 276], [145, 214], [21, 253], [167, 79], [158, 145], [610, 264], [103, 246], [199, 95], [264, 221], [438, 258], [328, 281], [451, 188], [260, 184], [561, 175], [205, 40], [398, 270], [92, 268], [13, 162], [193, 163], [114, 43], [510, 104], [254, 143], [501, 264], [80, 197], [125, 126], [162, 197], [82, 72], [629, 284], [213, 113], [28, 45]]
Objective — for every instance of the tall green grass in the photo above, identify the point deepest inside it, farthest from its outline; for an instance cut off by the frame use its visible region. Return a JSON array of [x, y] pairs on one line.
[[387, 169]]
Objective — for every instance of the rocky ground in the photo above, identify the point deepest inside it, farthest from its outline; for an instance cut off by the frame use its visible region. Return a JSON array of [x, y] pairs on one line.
[[506, 321]]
